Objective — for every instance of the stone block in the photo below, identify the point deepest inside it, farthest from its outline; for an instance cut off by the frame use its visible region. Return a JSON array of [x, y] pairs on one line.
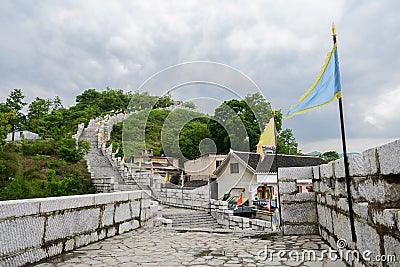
[[107, 217], [316, 174], [392, 246], [71, 223], [144, 214], [367, 238], [286, 187], [299, 197], [328, 219], [387, 217], [102, 234], [361, 209], [107, 198], [300, 230], [321, 215], [111, 231], [20, 233], [329, 200], [128, 226], [299, 212], [122, 212], [135, 195], [379, 191], [343, 204], [341, 226], [356, 166], [323, 187], [340, 188], [69, 244], [326, 170], [389, 158], [24, 258], [67, 202], [316, 186], [83, 240], [295, 173], [370, 161], [17, 208]]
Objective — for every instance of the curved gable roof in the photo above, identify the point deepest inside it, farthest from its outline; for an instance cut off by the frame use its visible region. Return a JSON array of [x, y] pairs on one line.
[[268, 165]]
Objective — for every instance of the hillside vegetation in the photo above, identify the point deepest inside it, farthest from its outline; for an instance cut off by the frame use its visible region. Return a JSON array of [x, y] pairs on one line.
[[43, 168], [54, 166]]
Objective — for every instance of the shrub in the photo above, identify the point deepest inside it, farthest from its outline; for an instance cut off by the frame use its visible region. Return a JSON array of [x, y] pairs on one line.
[[39, 147], [9, 167], [70, 151]]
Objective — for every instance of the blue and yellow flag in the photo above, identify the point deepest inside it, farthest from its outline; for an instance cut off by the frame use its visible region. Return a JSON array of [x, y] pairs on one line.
[[325, 89], [267, 138]]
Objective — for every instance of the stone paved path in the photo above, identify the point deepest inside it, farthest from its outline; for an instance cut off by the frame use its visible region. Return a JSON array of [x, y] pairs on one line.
[[169, 247]]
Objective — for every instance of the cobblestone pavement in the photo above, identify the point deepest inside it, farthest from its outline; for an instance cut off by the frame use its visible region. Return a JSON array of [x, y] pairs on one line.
[[169, 247]]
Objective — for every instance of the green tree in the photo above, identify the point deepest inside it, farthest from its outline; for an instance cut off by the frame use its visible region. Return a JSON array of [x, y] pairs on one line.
[[242, 119], [287, 143], [36, 111], [252, 113], [163, 102], [5, 125], [141, 101], [190, 138], [56, 103], [330, 156], [70, 151], [15, 102]]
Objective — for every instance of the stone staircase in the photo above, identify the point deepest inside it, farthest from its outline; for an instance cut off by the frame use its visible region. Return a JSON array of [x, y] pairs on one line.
[[104, 177], [191, 219]]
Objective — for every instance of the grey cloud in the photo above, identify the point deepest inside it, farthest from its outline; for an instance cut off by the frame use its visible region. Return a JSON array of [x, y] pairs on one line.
[[64, 47]]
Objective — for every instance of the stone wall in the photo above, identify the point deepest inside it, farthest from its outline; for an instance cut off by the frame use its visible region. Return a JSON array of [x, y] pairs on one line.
[[35, 229], [225, 217], [299, 210], [79, 132], [375, 189], [197, 198]]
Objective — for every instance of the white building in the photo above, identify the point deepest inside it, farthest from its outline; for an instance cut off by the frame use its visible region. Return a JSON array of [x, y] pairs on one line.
[[203, 167], [258, 178]]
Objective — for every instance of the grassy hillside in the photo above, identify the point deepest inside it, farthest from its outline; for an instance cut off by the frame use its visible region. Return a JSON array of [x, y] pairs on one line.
[[42, 168]]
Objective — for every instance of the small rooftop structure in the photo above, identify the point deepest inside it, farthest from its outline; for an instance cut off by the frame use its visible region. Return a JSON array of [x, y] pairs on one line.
[[27, 135]]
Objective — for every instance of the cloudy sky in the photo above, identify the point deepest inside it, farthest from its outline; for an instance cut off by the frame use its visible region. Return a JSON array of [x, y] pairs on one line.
[[51, 48]]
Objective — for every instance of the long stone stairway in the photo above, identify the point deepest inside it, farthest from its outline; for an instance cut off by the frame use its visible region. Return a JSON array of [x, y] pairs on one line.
[[104, 176], [189, 219]]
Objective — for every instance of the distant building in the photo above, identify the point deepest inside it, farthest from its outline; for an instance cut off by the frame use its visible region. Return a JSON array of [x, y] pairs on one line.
[[27, 135], [314, 154], [161, 165], [203, 167], [245, 170]]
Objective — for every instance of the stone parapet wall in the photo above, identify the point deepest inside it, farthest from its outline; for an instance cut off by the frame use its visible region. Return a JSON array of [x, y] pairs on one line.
[[197, 198], [298, 210], [375, 190], [35, 229], [79, 132], [225, 217]]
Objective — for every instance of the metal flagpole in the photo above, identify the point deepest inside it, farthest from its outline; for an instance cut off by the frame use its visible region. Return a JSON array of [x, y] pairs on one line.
[[277, 175], [345, 158]]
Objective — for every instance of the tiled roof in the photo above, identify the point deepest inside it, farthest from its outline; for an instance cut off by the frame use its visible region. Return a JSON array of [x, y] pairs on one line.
[[269, 162]]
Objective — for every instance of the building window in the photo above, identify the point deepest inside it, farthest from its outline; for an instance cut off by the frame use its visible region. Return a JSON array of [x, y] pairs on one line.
[[234, 167]]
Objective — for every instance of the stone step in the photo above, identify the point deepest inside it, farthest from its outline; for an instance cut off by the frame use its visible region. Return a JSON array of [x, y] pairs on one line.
[[192, 219]]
